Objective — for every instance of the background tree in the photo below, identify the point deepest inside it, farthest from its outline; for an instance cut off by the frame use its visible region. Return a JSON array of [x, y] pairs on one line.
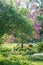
[[40, 17]]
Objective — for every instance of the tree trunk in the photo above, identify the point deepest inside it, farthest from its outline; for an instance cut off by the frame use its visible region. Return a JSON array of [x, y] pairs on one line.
[[21, 45]]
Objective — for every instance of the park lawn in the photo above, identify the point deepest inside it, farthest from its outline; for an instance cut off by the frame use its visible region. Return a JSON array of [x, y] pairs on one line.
[[10, 46], [37, 63]]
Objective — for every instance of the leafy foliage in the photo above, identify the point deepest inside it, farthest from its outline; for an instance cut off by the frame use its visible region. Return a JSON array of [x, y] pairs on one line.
[[12, 22], [40, 47]]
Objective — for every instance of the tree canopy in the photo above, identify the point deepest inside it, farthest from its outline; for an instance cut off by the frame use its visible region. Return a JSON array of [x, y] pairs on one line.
[[12, 22]]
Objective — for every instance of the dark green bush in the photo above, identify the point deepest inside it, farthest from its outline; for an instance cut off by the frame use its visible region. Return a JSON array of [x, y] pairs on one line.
[[5, 49], [20, 49], [30, 52], [30, 45], [40, 47], [36, 58]]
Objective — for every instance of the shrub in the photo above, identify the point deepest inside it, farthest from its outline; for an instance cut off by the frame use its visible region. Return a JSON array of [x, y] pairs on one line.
[[20, 49], [36, 58], [5, 49], [40, 47], [13, 60], [3, 38], [30, 52], [30, 45]]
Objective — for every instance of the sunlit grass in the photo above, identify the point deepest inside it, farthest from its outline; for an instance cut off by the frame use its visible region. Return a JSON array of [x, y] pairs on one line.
[[37, 63], [12, 45]]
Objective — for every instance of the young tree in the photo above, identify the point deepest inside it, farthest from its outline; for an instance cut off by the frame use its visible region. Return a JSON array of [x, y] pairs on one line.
[[13, 22]]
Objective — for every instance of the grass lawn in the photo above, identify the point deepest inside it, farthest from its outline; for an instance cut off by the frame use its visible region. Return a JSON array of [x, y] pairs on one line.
[[12, 45], [37, 63]]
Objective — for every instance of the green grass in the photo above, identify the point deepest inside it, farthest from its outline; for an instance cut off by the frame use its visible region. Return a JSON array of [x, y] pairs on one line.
[[37, 63], [12, 45]]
